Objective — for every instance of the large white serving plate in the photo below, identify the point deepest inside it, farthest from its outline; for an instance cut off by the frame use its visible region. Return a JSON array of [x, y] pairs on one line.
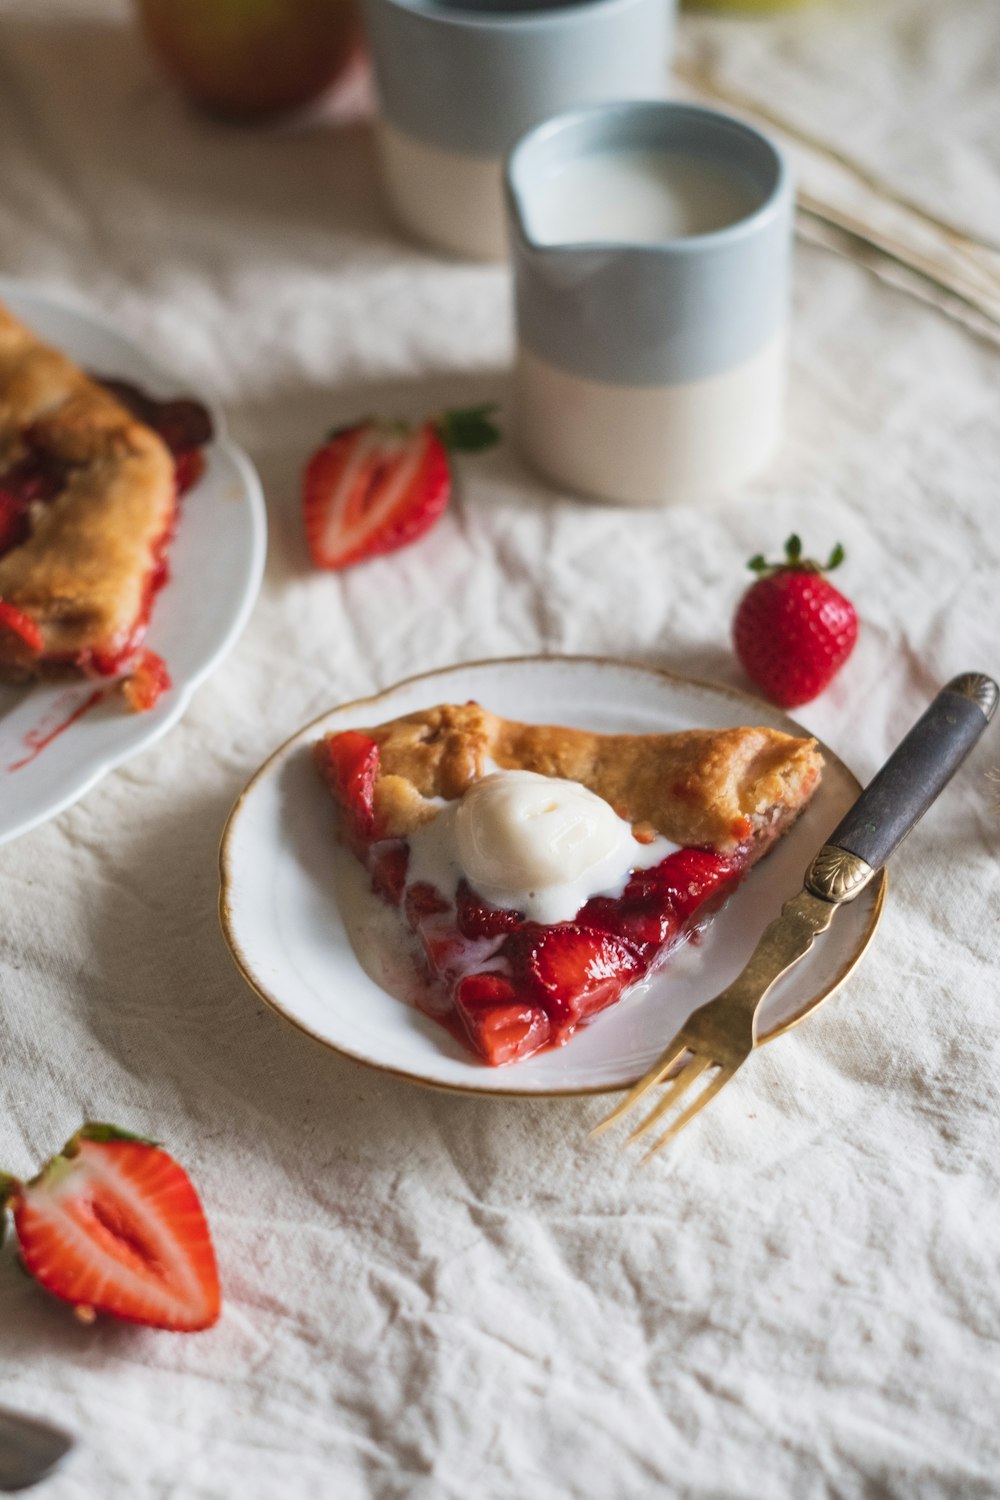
[[216, 563], [279, 866]]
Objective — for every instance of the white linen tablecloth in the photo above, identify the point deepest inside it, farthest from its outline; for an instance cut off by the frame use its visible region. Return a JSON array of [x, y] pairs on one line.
[[432, 1296], [891, 117]]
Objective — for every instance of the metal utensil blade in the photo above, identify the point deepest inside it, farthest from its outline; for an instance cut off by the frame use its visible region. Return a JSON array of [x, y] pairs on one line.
[[29, 1450], [784, 941]]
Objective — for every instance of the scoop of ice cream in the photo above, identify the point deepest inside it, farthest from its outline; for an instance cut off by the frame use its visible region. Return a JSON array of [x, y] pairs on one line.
[[520, 833]]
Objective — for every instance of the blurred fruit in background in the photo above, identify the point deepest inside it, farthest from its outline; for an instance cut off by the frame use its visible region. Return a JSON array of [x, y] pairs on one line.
[[252, 58], [746, 6]]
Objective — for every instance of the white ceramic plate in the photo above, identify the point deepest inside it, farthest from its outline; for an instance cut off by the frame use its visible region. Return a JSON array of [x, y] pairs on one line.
[[279, 865], [216, 563]]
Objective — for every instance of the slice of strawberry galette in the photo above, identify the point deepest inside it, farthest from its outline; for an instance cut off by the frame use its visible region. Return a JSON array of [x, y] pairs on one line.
[[90, 475], [545, 870]]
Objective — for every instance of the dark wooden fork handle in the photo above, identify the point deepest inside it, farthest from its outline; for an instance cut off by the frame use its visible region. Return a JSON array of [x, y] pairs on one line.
[[917, 770]]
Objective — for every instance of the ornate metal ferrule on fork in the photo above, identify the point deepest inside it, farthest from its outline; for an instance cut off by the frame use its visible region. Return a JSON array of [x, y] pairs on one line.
[[720, 1035]]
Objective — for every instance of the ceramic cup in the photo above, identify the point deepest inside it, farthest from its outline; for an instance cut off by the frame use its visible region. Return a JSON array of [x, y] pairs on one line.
[[651, 245], [458, 83]]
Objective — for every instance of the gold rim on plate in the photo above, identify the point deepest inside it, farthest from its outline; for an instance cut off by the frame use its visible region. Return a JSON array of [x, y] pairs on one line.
[[878, 886]]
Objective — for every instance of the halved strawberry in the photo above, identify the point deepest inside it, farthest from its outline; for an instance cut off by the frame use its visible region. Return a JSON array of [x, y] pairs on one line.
[[640, 919], [388, 871], [577, 972], [656, 902], [689, 878], [372, 489], [477, 919], [147, 682], [12, 618], [113, 1225], [501, 1024], [348, 763], [376, 486]]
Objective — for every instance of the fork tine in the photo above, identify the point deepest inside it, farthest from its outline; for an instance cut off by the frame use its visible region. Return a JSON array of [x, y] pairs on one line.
[[709, 1092], [656, 1074], [672, 1094]]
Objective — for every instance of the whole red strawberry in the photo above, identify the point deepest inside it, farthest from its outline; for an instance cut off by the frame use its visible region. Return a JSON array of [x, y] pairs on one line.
[[376, 486], [793, 630]]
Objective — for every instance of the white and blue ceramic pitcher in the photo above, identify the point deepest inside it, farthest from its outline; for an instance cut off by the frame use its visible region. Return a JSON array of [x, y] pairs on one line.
[[651, 250], [459, 82]]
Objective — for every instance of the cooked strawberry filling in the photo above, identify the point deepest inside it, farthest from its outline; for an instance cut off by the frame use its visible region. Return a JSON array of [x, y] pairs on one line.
[[35, 477], [183, 424], [518, 985], [147, 682], [512, 984], [348, 764], [22, 625], [109, 663]]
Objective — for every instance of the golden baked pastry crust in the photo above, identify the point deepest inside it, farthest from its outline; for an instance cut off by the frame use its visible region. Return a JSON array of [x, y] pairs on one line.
[[83, 572], [720, 789]]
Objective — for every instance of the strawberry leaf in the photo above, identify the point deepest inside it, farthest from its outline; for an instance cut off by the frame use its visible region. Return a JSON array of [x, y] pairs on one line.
[[93, 1130], [794, 561], [469, 429], [336, 432], [7, 1186]]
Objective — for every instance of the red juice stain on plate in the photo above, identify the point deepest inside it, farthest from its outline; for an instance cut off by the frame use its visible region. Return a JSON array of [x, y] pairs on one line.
[[37, 740]]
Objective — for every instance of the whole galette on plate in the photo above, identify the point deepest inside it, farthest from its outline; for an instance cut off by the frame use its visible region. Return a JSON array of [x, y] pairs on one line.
[[88, 504], [543, 870]]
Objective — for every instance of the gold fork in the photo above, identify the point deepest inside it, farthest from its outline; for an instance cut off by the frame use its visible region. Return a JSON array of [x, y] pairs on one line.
[[720, 1034]]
